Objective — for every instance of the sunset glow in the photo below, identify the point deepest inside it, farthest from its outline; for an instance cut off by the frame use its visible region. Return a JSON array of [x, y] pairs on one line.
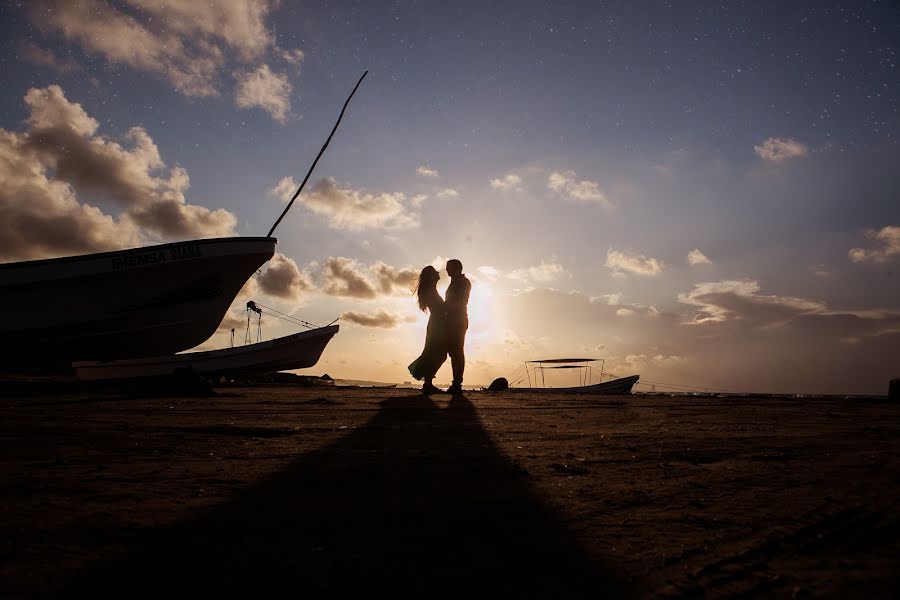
[[701, 195]]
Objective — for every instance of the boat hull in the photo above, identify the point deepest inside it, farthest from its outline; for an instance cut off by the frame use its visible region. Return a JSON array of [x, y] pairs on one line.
[[131, 303], [619, 386], [298, 351]]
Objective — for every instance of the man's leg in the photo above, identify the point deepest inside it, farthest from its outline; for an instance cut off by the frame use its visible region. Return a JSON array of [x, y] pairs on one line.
[[458, 356]]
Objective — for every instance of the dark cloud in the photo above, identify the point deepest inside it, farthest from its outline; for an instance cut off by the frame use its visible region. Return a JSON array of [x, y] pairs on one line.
[[283, 279], [182, 41], [380, 318], [348, 278], [344, 277], [60, 153], [391, 280]]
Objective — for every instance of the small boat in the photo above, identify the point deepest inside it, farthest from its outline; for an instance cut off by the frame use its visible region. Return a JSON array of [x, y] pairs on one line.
[[620, 386], [298, 351], [535, 368], [130, 303]]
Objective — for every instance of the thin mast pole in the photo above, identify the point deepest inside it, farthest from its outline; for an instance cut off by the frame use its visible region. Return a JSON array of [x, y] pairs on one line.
[[322, 151]]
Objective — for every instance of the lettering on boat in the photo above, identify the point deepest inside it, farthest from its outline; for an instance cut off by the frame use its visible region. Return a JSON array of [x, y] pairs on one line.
[[180, 252]]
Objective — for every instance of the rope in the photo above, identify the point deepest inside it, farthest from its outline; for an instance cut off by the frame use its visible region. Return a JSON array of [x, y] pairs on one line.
[[286, 317]]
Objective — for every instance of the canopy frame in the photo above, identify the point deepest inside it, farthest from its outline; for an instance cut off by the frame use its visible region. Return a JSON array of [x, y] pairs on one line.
[[533, 367]]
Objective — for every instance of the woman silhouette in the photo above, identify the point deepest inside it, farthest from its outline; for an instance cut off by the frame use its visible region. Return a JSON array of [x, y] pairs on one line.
[[435, 352]]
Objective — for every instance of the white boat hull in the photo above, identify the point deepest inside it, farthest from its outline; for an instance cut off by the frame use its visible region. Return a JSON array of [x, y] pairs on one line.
[[619, 386], [130, 303], [298, 351]]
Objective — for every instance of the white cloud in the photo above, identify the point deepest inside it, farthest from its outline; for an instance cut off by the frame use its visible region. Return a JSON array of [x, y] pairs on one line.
[[720, 301], [638, 264], [426, 171], [566, 185], [284, 189], [488, 272], [447, 193], [889, 240], [777, 150], [542, 273], [609, 299], [266, 90], [42, 216], [695, 257], [354, 210], [508, 182], [625, 312]]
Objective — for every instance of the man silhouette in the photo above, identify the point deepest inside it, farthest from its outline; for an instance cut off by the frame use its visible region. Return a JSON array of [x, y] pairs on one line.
[[456, 302]]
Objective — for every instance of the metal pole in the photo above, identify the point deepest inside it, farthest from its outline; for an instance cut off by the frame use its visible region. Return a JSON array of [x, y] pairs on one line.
[[308, 173]]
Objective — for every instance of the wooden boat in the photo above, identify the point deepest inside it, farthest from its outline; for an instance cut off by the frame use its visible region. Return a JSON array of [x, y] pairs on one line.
[[298, 351], [536, 368], [129, 303]]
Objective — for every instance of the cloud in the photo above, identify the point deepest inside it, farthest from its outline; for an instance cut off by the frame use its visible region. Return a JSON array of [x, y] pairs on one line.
[[566, 185], [266, 90], [294, 57], [695, 257], [380, 318], [508, 182], [184, 42], [393, 280], [283, 279], [41, 213], [44, 57], [447, 193], [777, 150], [488, 272], [426, 171], [284, 189], [721, 301], [345, 277], [609, 299], [889, 240], [354, 210], [621, 262], [542, 273]]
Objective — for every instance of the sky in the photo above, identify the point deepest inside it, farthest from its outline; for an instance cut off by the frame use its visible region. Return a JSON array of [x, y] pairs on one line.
[[704, 193]]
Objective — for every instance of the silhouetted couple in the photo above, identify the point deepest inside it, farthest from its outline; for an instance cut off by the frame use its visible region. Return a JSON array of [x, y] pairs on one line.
[[447, 324]]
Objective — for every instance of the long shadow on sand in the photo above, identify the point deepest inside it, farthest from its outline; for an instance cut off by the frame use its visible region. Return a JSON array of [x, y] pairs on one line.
[[418, 501]]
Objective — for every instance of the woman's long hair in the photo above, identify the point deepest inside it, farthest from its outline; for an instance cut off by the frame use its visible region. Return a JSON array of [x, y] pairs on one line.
[[428, 279]]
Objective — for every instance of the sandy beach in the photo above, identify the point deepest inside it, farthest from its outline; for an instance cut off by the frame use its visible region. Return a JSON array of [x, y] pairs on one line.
[[341, 490]]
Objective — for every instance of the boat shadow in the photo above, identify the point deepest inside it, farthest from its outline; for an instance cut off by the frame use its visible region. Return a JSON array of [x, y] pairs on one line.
[[419, 501]]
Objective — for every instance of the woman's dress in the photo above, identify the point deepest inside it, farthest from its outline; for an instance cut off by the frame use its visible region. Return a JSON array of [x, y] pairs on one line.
[[435, 352]]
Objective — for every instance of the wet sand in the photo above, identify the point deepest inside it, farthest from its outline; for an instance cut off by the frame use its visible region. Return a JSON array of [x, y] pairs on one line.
[[335, 491]]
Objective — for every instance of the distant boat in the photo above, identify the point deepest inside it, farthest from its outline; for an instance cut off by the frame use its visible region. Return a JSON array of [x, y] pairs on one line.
[[298, 351], [535, 368], [619, 386], [129, 303]]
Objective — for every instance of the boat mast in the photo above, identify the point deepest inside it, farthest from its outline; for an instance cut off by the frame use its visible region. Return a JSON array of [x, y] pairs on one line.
[[322, 151]]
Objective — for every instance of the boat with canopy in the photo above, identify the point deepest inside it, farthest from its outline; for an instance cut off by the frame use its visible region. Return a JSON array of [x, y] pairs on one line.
[[535, 373]]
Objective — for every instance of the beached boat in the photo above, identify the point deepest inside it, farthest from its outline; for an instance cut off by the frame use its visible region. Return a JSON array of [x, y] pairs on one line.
[[129, 303], [298, 351], [618, 386], [534, 373]]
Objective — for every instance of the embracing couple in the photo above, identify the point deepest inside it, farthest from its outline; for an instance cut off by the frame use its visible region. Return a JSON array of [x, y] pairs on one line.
[[447, 324]]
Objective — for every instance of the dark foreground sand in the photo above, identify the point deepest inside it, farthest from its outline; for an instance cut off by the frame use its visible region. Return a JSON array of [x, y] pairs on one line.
[[336, 491]]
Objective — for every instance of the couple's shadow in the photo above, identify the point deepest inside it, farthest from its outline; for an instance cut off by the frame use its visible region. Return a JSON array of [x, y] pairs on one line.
[[419, 501]]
